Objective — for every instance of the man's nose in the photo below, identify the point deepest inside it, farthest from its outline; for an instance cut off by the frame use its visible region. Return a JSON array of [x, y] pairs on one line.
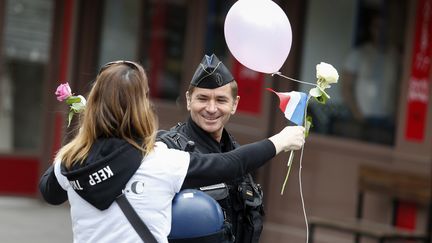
[[211, 106]]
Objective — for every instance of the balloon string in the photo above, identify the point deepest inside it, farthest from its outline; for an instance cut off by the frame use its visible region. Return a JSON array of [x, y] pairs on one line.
[[292, 79], [301, 196], [300, 174], [301, 156]]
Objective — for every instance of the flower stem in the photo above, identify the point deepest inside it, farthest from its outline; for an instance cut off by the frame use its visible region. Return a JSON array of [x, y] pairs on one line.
[[286, 179], [289, 169]]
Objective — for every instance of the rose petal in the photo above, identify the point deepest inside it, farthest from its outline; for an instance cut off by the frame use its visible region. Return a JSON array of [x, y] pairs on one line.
[[63, 91], [327, 73], [315, 92]]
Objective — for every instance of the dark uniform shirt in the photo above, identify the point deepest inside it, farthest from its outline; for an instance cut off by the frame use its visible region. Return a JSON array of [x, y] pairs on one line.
[[233, 204]]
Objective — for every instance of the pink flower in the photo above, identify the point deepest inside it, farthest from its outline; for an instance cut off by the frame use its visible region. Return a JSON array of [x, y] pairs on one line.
[[63, 92]]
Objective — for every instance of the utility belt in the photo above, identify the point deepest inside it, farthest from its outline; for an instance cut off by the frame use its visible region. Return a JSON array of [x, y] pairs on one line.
[[245, 203], [220, 192]]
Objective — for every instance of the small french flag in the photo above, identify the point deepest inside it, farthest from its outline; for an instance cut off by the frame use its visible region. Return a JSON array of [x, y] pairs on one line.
[[293, 105]]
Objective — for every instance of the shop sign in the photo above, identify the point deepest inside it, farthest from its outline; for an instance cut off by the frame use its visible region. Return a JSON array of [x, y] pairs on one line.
[[419, 80]]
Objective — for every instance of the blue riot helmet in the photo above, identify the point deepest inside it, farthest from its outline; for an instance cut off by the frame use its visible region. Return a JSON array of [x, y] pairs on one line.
[[196, 217]]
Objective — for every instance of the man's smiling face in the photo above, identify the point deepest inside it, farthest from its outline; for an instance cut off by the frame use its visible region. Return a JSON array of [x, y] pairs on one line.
[[211, 109]]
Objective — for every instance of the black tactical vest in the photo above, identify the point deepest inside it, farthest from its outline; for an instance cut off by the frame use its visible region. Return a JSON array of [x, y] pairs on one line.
[[241, 199]]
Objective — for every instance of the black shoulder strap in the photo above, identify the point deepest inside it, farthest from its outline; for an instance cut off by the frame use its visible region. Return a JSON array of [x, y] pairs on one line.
[[175, 139], [133, 218]]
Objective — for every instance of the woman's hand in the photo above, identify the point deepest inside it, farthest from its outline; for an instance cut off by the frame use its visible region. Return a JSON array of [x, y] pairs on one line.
[[290, 138]]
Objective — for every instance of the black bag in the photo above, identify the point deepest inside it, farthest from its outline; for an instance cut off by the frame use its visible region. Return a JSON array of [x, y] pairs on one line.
[[250, 211]]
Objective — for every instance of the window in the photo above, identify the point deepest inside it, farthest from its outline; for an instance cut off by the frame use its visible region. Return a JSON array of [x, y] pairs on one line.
[[164, 26], [250, 83], [150, 32], [364, 41], [120, 28], [26, 48], [214, 36]]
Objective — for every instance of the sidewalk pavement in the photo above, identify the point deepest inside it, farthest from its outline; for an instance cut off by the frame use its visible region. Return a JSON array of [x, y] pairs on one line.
[[30, 220]]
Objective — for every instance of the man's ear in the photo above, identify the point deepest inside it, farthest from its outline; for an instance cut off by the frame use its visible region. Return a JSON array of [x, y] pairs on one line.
[[236, 101], [188, 100]]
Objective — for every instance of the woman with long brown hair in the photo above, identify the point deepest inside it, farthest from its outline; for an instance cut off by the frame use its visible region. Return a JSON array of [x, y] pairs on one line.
[[115, 153]]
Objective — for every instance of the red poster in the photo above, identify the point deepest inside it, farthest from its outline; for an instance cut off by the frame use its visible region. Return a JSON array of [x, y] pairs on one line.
[[250, 86], [406, 215], [157, 47], [419, 83]]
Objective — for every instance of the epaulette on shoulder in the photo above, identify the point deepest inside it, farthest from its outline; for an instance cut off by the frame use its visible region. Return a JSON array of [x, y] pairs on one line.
[[175, 139]]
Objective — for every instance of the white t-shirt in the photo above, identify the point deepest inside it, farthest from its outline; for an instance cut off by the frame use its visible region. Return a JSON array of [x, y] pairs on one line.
[[150, 192]]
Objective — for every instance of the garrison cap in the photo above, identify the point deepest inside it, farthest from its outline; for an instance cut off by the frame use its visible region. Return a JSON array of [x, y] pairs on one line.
[[211, 73]]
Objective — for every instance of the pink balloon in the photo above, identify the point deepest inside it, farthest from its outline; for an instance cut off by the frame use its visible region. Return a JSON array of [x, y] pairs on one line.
[[258, 34]]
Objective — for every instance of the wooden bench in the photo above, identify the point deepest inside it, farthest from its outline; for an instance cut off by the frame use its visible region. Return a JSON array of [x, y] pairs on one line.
[[397, 186]]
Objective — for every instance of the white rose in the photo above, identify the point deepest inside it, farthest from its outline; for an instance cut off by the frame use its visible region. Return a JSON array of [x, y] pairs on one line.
[[326, 74], [83, 101], [79, 106]]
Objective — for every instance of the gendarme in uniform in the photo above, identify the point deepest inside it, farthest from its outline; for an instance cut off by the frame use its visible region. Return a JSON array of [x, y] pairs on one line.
[[240, 199]]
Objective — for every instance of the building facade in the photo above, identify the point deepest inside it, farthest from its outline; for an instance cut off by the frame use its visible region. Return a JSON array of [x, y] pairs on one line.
[[46, 42]]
